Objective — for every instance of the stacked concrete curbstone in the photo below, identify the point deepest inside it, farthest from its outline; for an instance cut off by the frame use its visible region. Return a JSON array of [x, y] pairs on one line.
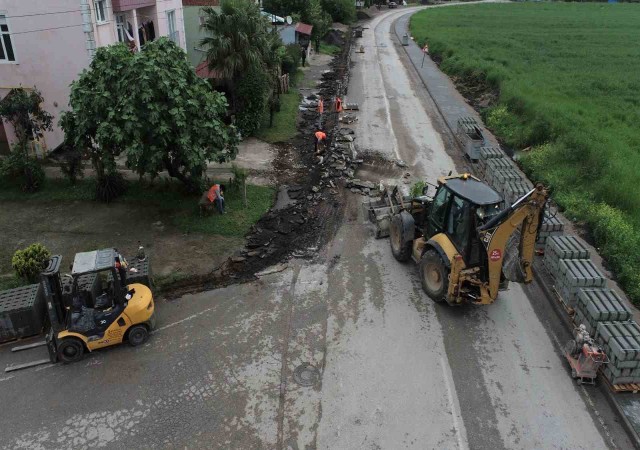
[[562, 247], [515, 189], [574, 274], [599, 305], [551, 226], [485, 154], [22, 312], [621, 343]]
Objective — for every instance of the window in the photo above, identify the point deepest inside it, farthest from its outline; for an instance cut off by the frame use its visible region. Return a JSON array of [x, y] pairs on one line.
[[120, 28], [6, 46], [439, 210], [100, 10], [171, 23]]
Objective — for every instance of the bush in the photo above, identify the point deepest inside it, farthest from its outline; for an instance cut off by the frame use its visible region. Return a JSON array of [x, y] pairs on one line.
[[253, 92], [343, 11], [292, 58], [110, 187], [71, 166], [28, 263], [23, 171]]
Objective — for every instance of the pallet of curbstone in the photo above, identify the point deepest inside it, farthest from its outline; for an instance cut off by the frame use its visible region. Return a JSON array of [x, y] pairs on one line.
[[621, 343], [574, 274], [599, 305], [22, 312], [551, 226], [513, 190], [500, 177], [562, 247], [632, 388], [485, 154]]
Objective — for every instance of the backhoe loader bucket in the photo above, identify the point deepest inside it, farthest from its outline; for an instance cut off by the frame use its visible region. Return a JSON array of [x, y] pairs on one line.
[[380, 210]]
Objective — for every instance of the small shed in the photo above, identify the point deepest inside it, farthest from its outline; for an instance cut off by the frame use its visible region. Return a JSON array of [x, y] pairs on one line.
[[303, 34]]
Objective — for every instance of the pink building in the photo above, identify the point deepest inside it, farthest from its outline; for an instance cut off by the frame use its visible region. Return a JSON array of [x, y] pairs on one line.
[[48, 43]]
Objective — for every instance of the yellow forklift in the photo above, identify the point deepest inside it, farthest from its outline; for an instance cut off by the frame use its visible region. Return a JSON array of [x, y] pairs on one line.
[[459, 236], [93, 306]]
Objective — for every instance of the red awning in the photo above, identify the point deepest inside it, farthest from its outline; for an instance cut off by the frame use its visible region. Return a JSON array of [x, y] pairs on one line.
[[303, 28], [203, 71]]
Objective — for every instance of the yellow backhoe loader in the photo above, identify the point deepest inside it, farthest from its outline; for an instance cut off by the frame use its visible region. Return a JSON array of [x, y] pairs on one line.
[[459, 236]]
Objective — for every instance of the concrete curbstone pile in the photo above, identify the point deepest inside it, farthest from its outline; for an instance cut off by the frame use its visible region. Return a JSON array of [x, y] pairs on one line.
[[621, 342], [562, 247], [551, 226], [22, 312], [574, 274], [485, 154], [599, 305]]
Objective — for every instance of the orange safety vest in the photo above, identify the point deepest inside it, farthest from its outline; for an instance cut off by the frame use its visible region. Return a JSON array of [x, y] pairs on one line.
[[320, 106], [338, 104], [211, 195], [320, 136]]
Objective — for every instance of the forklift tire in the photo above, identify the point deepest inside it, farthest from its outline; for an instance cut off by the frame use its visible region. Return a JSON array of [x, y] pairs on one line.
[[70, 350], [434, 276], [138, 335], [401, 250]]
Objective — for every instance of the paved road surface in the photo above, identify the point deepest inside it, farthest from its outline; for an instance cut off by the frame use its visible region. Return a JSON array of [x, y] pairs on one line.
[[396, 370]]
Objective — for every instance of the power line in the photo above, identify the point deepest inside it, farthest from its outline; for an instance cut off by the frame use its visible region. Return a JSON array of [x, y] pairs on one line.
[[80, 10]]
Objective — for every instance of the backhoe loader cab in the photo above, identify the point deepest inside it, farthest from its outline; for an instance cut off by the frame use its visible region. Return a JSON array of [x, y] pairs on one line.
[[458, 237], [93, 307]]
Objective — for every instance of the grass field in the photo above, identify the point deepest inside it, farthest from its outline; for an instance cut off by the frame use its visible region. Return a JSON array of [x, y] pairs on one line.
[[568, 76], [181, 209], [284, 121]]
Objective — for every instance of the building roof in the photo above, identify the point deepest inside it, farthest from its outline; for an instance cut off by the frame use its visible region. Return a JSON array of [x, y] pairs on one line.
[[303, 28], [473, 190], [203, 71], [200, 2], [94, 261]]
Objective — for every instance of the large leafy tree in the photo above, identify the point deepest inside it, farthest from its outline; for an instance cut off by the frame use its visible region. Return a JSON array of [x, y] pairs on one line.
[[152, 108]]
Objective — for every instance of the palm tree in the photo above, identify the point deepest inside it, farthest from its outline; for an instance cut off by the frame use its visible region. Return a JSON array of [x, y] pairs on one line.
[[237, 38]]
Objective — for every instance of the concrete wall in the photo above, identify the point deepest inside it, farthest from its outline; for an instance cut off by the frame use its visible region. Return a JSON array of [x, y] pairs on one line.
[[194, 34], [49, 59]]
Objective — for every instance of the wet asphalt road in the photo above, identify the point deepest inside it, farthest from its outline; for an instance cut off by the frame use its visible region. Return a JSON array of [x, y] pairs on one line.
[[395, 370]]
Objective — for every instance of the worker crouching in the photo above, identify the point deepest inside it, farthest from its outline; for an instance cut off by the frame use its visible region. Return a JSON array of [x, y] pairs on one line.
[[320, 138]]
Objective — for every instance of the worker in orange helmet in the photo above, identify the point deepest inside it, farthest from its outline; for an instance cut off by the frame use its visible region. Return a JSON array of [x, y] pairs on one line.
[[320, 137], [338, 105], [320, 106]]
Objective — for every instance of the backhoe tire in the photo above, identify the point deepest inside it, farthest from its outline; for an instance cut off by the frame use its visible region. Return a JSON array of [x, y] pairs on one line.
[[137, 335], [401, 250], [70, 350], [434, 276]]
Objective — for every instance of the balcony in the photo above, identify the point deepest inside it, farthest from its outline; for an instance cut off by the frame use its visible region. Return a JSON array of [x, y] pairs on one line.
[[128, 5]]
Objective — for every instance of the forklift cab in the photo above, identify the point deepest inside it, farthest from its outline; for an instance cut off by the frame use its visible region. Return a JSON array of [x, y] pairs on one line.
[[460, 205]]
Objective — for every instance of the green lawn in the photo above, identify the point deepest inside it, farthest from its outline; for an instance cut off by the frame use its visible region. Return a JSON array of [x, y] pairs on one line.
[[284, 121], [329, 49], [569, 84], [169, 197]]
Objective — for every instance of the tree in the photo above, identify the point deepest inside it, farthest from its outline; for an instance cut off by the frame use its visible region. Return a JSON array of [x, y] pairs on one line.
[[175, 119], [22, 109], [152, 108], [96, 121], [343, 11], [314, 15], [239, 40]]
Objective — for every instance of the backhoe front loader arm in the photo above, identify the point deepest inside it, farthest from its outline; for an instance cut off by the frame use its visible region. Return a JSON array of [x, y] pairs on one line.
[[525, 214]]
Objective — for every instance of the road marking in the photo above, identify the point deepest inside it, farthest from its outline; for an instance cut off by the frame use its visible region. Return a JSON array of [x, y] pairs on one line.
[[458, 423], [7, 378]]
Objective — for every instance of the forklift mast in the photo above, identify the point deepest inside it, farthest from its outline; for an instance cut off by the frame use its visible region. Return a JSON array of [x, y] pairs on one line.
[[52, 288]]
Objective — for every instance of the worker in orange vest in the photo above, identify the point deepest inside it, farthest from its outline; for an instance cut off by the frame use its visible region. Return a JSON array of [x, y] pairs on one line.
[[320, 106], [320, 136], [215, 194], [338, 105]]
